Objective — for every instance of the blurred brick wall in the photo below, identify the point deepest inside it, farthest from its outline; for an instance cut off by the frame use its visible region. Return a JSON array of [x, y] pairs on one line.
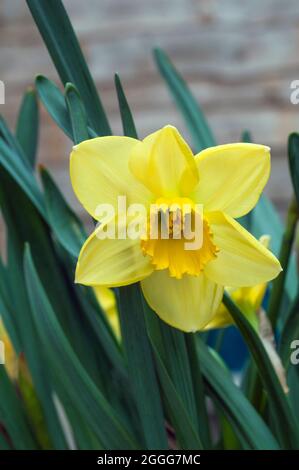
[[238, 57]]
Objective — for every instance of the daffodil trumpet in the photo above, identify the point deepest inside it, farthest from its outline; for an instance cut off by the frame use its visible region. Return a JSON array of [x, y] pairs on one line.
[[183, 286]]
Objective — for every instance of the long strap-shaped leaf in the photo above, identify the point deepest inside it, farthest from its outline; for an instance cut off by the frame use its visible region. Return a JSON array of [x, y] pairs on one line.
[[77, 113], [286, 426], [27, 126], [125, 111], [54, 102], [199, 392], [141, 367], [63, 46], [201, 133], [64, 222], [176, 379], [68, 370], [13, 162], [289, 332], [237, 408], [12, 414]]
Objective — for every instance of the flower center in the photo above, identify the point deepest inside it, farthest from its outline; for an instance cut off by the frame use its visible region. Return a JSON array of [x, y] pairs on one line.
[[178, 237]]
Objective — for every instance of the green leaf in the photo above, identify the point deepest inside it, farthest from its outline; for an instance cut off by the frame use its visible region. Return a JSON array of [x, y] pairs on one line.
[[17, 304], [32, 405], [77, 114], [21, 173], [4, 444], [246, 136], [9, 138], [199, 392], [286, 426], [9, 320], [125, 111], [289, 332], [285, 254], [12, 415], [293, 154], [68, 371], [232, 401], [285, 251], [141, 367], [27, 126], [265, 220], [176, 379], [54, 102], [66, 225], [63, 46], [200, 131], [185, 431]]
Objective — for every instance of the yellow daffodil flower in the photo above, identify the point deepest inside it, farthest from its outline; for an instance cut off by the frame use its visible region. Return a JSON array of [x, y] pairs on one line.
[[184, 287], [248, 299]]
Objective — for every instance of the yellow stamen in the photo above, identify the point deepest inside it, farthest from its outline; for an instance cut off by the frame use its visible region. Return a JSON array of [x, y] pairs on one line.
[[171, 230]]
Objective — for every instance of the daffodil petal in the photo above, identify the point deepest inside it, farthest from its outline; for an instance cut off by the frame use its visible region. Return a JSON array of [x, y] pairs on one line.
[[187, 304], [111, 262], [242, 260], [232, 177], [107, 300], [100, 173], [164, 163], [221, 319]]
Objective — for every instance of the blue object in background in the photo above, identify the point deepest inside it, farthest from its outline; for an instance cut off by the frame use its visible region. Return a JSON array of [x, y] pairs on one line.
[[233, 349]]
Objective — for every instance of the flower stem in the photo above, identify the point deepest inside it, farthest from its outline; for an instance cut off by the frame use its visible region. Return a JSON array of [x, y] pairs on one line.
[[284, 257]]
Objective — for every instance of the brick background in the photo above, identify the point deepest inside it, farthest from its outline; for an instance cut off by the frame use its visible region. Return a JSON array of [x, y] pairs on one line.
[[238, 57]]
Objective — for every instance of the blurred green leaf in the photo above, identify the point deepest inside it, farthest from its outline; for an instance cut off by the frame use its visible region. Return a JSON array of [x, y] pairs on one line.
[[176, 379], [199, 392], [27, 126], [141, 367], [232, 401], [289, 332], [15, 165], [4, 444], [66, 225], [77, 114], [18, 305], [125, 111], [12, 415], [32, 405], [285, 256], [63, 46], [54, 102], [9, 320], [246, 136], [201, 133], [293, 154], [67, 369], [287, 428]]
